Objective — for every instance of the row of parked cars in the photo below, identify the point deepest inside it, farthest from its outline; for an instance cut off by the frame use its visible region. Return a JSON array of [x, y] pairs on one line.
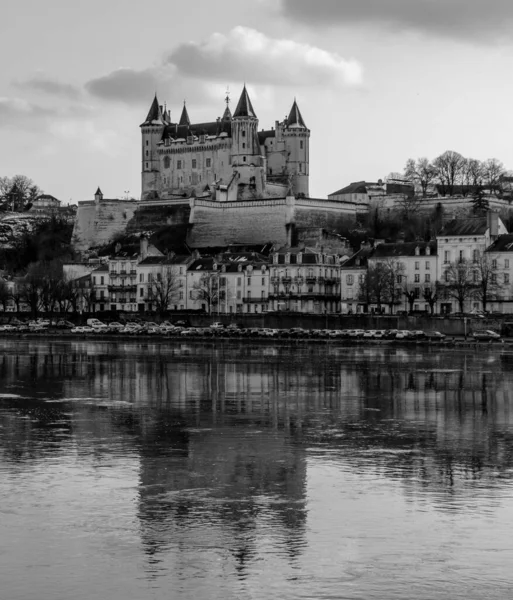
[[181, 329]]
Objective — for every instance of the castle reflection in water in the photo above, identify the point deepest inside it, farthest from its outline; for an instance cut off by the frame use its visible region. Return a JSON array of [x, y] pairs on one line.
[[225, 434]]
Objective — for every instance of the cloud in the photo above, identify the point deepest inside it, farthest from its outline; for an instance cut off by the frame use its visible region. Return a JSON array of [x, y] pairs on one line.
[[248, 55], [23, 114], [456, 18], [15, 112], [49, 86], [198, 70], [126, 85]]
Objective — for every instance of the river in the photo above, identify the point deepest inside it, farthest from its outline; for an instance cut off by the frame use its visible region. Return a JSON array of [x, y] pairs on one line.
[[209, 470]]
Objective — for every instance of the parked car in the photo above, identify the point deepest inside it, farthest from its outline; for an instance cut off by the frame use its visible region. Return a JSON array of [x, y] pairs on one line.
[[63, 324], [82, 329], [487, 335], [217, 326], [435, 335]]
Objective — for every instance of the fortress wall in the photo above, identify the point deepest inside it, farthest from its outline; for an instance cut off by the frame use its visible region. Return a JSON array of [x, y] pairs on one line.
[[151, 217], [332, 216], [97, 224], [258, 222]]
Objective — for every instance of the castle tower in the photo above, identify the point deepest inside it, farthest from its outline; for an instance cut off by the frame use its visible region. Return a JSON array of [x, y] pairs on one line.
[[151, 131], [245, 145], [297, 143]]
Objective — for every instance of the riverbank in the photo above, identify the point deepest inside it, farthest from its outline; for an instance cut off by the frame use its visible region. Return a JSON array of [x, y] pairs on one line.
[[219, 337]]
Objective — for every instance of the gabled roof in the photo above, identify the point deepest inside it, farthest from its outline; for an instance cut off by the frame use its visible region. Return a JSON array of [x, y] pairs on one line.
[[470, 226], [184, 119], [359, 259], [504, 243], [357, 187], [102, 269], [404, 249], [98, 192], [154, 114], [244, 106], [202, 264], [295, 119]]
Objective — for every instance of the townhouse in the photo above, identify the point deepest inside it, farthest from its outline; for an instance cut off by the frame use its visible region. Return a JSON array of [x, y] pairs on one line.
[[304, 280]]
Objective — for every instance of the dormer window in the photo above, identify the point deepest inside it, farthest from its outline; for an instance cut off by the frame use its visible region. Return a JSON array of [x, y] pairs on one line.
[[190, 139], [417, 251], [428, 250]]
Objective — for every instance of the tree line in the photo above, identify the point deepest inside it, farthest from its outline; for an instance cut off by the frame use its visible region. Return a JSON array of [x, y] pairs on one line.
[[451, 172], [17, 193]]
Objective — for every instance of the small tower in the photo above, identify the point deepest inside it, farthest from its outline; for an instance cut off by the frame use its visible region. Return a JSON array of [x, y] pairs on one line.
[[297, 143], [245, 145], [184, 119], [98, 196], [151, 131]]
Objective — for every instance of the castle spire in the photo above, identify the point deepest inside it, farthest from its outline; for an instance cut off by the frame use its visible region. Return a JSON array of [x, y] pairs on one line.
[[184, 119], [295, 118], [154, 114], [244, 106]]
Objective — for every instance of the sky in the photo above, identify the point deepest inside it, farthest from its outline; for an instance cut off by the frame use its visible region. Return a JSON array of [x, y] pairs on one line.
[[377, 82]]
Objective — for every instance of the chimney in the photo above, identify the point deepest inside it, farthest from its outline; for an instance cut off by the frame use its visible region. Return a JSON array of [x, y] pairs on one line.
[[493, 223], [143, 247]]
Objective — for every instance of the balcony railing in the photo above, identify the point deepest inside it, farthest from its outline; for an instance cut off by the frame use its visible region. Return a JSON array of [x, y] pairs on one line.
[[255, 300], [122, 288], [311, 280]]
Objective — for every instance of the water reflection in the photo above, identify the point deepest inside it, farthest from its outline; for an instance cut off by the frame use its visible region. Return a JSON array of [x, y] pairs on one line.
[[230, 441]]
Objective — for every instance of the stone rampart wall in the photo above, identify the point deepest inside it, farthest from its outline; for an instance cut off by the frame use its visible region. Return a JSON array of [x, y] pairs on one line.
[[256, 222], [97, 223]]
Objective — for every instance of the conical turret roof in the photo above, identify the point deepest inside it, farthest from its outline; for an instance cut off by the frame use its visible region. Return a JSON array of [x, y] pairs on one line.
[[244, 106], [154, 114], [227, 115], [295, 117], [184, 119]]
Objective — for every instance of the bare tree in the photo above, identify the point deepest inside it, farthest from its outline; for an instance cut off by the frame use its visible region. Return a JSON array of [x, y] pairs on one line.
[[410, 292], [449, 166], [207, 289], [18, 192], [408, 206], [459, 282], [392, 278], [431, 294], [381, 284], [5, 294], [421, 172], [485, 277], [163, 289], [493, 171]]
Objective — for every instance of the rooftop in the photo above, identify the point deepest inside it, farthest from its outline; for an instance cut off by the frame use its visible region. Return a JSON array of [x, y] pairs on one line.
[[463, 227]]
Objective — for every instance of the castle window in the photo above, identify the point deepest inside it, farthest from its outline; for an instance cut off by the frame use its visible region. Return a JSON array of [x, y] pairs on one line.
[[209, 163], [146, 142], [301, 144], [146, 165], [300, 167], [178, 164], [166, 162], [194, 163], [243, 133], [243, 159], [147, 152]]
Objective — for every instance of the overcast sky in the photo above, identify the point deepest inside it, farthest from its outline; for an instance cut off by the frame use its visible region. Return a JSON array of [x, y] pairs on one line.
[[377, 81]]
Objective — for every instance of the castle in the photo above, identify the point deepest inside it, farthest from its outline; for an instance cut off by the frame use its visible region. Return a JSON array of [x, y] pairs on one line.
[[228, 159]]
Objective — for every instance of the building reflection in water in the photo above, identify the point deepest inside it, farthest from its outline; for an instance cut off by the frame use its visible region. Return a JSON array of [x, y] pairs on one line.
[[223, 433]]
